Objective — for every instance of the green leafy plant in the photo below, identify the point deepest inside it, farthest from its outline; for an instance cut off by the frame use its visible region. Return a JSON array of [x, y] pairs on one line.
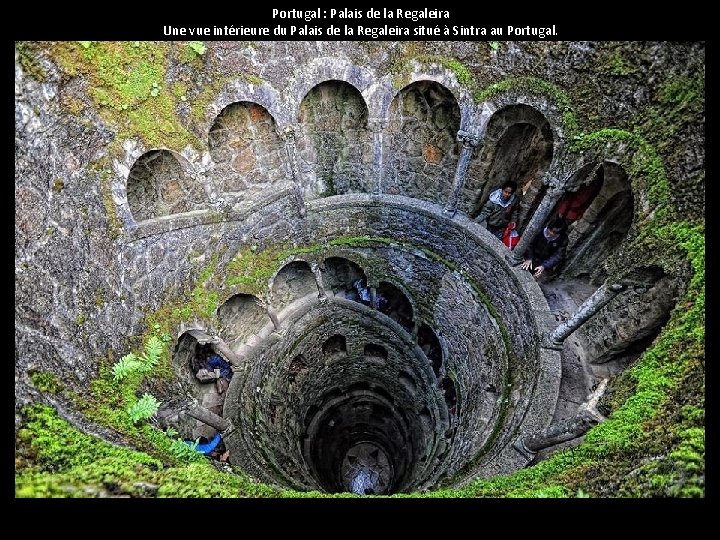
[[143, 408], [494, 45], [185, 452], [139, 364], [126, 366], [197, 47]]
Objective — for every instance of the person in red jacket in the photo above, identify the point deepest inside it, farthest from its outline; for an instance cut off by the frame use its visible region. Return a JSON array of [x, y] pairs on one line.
[[573, 204]]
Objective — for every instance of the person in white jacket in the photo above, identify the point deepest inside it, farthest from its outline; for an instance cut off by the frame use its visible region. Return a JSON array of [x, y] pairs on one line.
[[500, 208]]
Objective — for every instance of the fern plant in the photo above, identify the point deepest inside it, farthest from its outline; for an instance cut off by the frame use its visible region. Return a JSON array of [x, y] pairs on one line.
[[143, 408], [153, 351], [186, 452], [142, 364], [126, 366]]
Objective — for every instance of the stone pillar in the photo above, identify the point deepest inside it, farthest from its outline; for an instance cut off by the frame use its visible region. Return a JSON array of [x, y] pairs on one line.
[[226, 352], [315, 267], [288, 135], [273, 316], [416, 330], [373, 298], [208, 417], [377, 127], [568, 429], [589, 307], [469, 142], [537, 223]]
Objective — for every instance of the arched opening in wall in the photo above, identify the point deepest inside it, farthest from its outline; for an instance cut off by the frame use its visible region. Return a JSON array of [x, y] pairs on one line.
[[341, 276], [392, 302], [407, 381], [292, 282], [335, 154], [205, 375], [375, 352], [600, 224], [575, 202], [422, 147], [159, 186], [430, 344], [335, 345], [241, 317], [184, 359], [518, 146], [450, 395], [622, 330], [248, 153], [298, 365]]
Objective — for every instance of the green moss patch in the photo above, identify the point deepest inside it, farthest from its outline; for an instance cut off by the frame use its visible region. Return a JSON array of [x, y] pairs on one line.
[[46, 382], [69, 463], [534, 85], [126, 82]]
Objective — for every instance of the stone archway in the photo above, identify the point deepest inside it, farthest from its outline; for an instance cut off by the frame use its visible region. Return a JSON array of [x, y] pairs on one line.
[[518, 146], [246, 149], [602, 227], [292, 282], [335, 153], [422, 146], [240, 317], [159, 186], [430, 345], [393, 303], [339, 274]]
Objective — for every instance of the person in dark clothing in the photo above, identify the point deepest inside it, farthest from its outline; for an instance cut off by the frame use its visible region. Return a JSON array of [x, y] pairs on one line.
[[500, 208], [363, 292], [547, 250], [211, 367], [218, 362]]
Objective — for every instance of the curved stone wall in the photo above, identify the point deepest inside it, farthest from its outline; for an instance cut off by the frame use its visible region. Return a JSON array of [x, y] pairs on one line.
[[113, 230], [458, 286], [422, 152]]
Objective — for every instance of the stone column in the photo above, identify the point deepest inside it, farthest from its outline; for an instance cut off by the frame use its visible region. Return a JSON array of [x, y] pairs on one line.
[[537, 222], [288, 136], [469, 142], [226, 352], [416, 330], [568, 429], [606, 292], [207, 417], [315, 267], [377, 126], [373, 298], [273, 315]]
